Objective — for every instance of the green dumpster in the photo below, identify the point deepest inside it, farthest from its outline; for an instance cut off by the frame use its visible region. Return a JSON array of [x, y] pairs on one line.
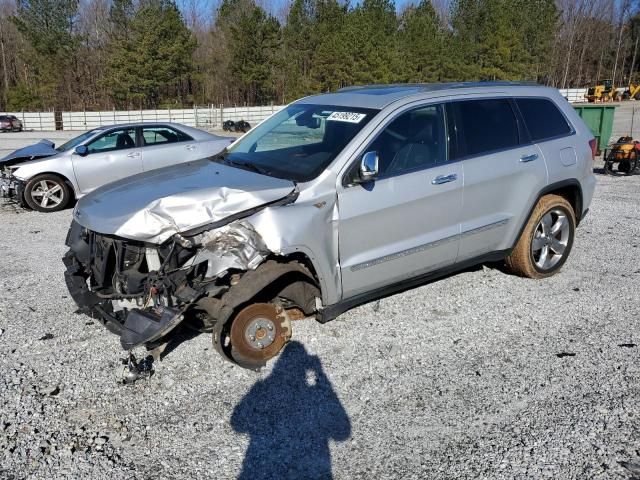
[[599, 118]]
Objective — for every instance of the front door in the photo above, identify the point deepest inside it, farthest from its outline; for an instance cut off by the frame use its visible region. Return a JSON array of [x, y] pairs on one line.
[[406, 222], [110, 157]]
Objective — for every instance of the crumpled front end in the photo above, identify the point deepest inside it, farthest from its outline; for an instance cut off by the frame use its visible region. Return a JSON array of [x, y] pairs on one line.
[[10, 186], [143, 291]]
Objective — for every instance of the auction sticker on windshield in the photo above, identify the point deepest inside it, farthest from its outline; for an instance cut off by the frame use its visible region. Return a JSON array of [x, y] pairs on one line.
[[351, 117]]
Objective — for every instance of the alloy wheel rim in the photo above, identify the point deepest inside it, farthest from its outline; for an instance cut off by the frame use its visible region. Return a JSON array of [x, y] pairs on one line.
[[47, 194], [550, 239]]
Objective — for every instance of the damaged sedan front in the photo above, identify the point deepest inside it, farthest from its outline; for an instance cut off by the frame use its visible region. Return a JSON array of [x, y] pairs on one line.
[[46, 179]]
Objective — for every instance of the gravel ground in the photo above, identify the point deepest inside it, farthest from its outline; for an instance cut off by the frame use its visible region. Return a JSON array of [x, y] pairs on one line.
[[479, 375]]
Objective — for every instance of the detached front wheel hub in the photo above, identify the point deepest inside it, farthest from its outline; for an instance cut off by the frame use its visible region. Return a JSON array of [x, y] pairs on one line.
[[258, 333]]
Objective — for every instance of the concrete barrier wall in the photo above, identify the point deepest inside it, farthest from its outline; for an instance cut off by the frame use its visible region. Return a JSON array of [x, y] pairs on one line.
[[574, 95], [201, 117], [89, 120], [206, 117], [39, 121]]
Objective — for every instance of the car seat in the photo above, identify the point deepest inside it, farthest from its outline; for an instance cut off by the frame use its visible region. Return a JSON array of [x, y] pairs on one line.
[[422, 148], [123, 140]]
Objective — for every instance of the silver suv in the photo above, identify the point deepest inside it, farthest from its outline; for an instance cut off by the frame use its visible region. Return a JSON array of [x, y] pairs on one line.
[[335, 200]]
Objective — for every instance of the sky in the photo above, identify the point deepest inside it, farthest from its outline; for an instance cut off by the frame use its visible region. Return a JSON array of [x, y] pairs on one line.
[[205, 8]]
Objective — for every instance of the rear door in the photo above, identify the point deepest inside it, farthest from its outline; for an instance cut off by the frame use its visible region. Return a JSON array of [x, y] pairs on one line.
[[111, 156], [503, 173], [407, 221], [164, 146], [550, 130]]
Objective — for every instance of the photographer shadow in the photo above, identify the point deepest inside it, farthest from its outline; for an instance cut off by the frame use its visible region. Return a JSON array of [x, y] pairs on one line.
[[290, 417]]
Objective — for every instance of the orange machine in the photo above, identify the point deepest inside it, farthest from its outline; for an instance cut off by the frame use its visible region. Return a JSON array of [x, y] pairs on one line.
[[625, 154]]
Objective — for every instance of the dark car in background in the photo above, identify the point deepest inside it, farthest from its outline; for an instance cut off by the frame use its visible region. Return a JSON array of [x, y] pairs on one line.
[[10, 123]]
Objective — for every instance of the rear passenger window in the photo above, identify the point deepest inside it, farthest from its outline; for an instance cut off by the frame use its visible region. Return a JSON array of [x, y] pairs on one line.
[[542, 118], [484, 126], [158, 135]]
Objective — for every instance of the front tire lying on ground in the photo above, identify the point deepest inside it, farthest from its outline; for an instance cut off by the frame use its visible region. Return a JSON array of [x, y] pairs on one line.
[[47, 193], [546, 241]]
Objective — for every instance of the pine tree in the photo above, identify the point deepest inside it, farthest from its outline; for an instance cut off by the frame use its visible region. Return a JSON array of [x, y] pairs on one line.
[[49, 53], [372, 28], [503, 39], [422, 45], [537, 21], [150, 59], [298, 48], [253, 41], [332, 63]]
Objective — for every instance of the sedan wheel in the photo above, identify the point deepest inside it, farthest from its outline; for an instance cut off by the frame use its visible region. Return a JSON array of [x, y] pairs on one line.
[[47, 193]]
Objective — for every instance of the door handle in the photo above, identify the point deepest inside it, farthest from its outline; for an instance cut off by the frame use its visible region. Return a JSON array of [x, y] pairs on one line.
[[191, 147], [529, 158], [133, 154], [440, 179]]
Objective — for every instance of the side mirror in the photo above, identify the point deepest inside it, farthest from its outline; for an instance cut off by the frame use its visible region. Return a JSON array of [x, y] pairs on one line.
[[81, 150], [368, 167]]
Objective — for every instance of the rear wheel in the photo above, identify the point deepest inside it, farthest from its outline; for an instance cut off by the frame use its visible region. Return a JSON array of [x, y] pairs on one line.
[[608, 168], [546, 241], [47, 193], [628, 166]]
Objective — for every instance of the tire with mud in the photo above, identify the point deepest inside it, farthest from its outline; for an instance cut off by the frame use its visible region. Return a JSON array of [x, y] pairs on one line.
[[545, 243]]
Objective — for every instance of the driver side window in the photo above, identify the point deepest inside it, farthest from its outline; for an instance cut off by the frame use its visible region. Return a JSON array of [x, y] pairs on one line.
[[114, 140], [413, 141]]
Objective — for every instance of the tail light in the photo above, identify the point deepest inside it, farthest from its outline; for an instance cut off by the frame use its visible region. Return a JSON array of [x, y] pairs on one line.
[[594, 148]]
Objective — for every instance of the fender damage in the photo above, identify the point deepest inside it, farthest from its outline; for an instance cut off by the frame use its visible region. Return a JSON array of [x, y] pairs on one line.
[[200, 276]]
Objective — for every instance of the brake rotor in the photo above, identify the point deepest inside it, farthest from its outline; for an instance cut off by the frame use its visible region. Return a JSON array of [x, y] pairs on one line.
[[258, 333]]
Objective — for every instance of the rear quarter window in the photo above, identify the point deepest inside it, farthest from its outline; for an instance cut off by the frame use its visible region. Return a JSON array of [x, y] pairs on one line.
[[543, 118]]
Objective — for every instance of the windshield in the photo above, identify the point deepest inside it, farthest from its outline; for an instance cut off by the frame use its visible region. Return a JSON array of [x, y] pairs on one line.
[[298, 142], [74, 142]]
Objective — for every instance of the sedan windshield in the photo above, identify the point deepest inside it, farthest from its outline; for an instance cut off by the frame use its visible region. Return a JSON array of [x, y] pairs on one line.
[[74, 142], [298, 142]]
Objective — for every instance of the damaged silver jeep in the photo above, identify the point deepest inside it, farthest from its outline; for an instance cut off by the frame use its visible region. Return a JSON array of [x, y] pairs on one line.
[[335, 200]]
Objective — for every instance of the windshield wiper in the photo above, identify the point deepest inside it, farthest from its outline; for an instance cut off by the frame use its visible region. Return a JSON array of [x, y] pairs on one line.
[[246, 165], [253, 167]]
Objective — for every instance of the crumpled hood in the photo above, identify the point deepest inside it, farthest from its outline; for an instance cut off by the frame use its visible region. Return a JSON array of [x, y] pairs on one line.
[[153, 206], [44, 148]]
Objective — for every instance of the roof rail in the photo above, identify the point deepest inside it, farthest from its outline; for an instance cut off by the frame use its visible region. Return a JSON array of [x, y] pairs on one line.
[[441, 86]]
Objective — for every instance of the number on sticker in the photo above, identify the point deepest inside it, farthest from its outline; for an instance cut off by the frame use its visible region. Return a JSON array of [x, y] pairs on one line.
[[351, 117]]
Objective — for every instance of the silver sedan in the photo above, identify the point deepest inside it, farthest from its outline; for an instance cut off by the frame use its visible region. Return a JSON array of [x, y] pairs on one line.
[[47, 178]]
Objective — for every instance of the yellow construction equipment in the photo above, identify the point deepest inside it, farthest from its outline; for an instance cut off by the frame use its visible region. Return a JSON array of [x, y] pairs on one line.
[[604, 92], [632, 92]]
